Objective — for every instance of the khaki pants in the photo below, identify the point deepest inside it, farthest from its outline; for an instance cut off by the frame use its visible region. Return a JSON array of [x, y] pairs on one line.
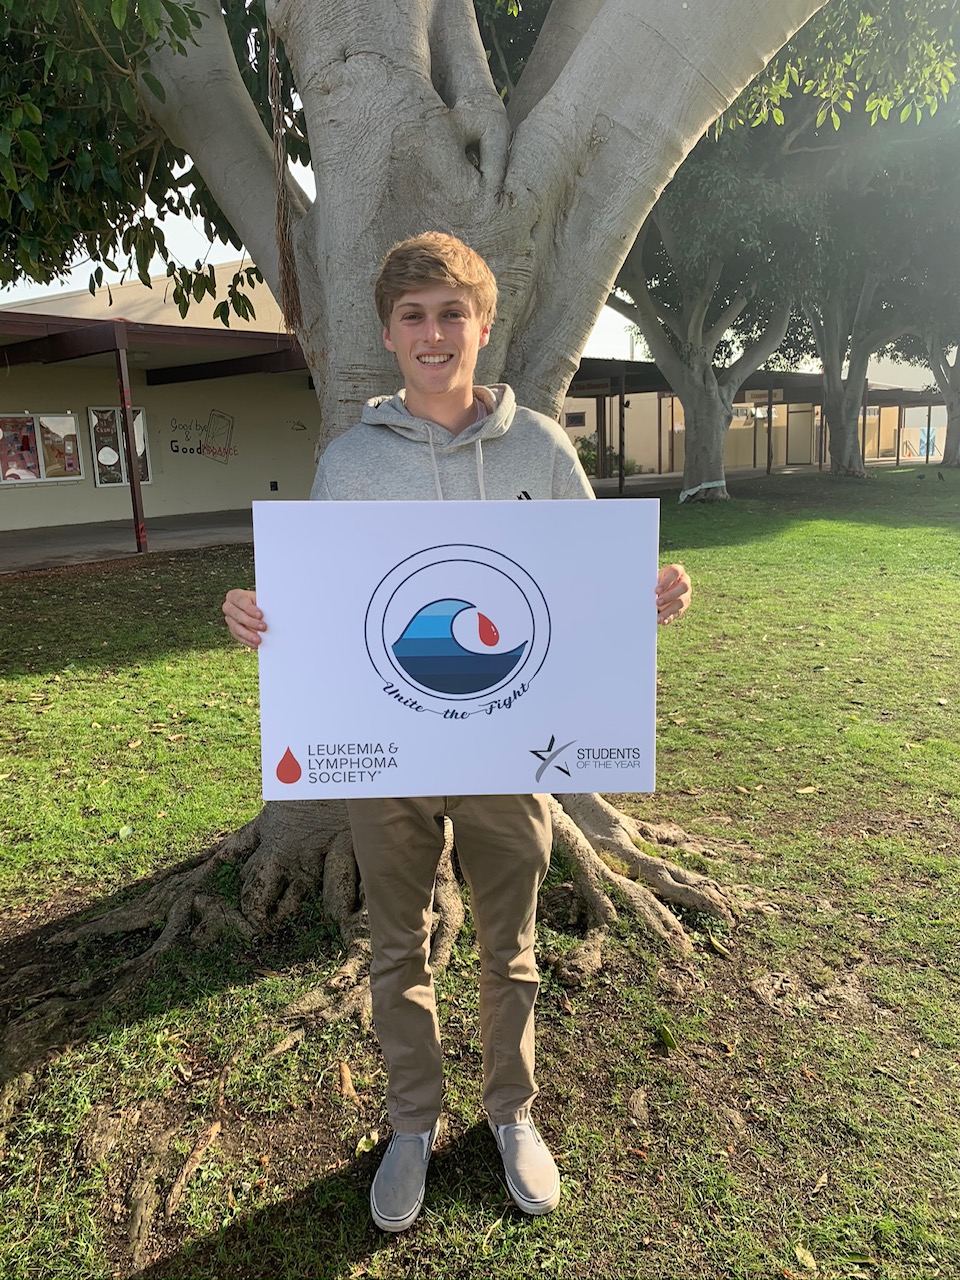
[[503, 845]]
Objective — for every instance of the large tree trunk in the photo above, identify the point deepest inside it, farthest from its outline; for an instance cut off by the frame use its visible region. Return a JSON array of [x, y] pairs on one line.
[[407, 132], [951, 446], [707, 413], [843, 426], [947, 375]]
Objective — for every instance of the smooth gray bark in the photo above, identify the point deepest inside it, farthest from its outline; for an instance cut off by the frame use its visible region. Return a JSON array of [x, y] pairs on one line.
[[947, 375], [407, 132], [846, 339]]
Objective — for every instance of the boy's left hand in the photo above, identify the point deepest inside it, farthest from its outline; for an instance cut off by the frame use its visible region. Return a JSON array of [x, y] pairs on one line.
[[673, 593]]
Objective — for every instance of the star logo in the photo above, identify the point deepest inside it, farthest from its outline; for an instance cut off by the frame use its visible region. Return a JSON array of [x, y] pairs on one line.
[[548, 756]]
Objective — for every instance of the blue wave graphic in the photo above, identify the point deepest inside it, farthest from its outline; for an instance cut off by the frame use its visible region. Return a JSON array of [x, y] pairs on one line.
[[431, 656]]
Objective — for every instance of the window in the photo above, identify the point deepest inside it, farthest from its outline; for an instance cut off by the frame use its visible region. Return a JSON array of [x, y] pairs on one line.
[[109, 455], [39, 446]]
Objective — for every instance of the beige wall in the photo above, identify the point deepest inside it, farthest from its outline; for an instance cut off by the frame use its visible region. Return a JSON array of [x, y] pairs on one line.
[[270, 425]]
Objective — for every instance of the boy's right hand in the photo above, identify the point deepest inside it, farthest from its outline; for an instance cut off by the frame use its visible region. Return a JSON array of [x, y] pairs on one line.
[[244, 620]]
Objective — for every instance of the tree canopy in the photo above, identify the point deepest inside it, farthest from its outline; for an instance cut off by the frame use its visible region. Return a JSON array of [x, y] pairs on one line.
[[741, 232], [88, 175]]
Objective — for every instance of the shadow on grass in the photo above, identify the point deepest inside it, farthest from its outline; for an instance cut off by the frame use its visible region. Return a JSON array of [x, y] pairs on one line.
[[102, 616], [58, 995], [326, 1231]]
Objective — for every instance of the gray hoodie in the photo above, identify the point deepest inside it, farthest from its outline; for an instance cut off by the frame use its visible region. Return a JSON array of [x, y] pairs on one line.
[[392, 456]]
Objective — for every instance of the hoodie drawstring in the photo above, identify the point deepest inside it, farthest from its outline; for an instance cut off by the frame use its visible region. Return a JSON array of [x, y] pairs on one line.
[[436, 471], [478, 454]]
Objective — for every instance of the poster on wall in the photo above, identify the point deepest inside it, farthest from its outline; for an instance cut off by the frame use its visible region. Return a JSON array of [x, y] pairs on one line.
[[140, 444], [450, 651], [19, 459], [60, 446], [105, 443], [109, 456]]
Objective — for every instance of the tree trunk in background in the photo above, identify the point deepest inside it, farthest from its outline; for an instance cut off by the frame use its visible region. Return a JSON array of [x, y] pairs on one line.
[[951, 446], [843, 426], [948, 380], [707, 413]]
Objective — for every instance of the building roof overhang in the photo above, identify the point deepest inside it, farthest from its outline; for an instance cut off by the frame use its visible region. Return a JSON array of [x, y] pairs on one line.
[[181, 353]]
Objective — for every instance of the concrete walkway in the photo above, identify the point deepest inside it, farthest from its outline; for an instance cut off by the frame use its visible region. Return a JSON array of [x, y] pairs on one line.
[[22, 550]]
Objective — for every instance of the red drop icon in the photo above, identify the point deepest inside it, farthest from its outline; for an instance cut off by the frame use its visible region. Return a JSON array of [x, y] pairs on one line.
[[488, 632], [288, 770]]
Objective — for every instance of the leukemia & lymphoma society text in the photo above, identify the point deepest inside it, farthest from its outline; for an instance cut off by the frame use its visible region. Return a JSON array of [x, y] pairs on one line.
[[349, 761]]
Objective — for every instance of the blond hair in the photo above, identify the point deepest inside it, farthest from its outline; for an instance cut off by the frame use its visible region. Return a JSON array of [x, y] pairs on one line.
[[434, 258]]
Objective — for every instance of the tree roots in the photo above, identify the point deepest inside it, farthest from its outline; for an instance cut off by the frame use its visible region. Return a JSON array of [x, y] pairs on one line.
[[607, 849], [295, 852]]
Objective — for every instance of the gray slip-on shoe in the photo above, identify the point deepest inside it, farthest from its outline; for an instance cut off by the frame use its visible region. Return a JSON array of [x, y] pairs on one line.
[[396, 1196], [532, 1176]]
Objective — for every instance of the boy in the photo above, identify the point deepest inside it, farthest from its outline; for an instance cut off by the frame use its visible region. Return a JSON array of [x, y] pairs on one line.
[[442, 438]]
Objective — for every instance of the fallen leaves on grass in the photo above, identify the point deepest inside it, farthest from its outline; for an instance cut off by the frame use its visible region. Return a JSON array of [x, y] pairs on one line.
[[805, 1258]]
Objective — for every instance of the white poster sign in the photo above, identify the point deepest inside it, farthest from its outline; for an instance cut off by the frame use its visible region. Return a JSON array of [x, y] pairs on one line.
[[456, 648]]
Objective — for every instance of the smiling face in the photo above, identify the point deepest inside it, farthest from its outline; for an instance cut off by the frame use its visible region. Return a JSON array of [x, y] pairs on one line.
[[436, 334]]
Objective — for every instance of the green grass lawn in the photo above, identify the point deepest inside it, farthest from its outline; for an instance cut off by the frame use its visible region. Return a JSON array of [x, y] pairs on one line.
[[808, 1119]]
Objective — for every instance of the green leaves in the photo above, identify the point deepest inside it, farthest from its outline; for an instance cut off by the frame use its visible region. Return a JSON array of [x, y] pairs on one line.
[[888, 56], [76, 146], [154, 85]]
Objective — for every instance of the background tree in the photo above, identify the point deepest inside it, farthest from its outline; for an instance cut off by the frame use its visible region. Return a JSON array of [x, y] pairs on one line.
[[710, 285], [871, 274], [406, 130], [710, 281], [931, 296]]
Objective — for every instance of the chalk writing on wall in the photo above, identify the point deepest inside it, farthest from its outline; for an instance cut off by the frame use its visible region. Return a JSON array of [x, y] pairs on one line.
[[214, 438]]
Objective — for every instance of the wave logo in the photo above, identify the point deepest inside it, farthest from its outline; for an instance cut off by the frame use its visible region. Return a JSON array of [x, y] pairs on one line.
[[457, 623]]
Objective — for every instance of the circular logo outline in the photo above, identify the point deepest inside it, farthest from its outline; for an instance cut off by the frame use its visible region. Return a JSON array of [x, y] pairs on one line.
[[386, 589]]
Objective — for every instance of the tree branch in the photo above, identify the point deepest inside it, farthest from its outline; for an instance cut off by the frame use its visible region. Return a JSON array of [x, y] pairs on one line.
[[868, 292], [631, 100], [565, 25], [723, 322], [939, 365], [701, 303], [461, 73], [753, 357], [203, 88], [501, 58], [647, 319]]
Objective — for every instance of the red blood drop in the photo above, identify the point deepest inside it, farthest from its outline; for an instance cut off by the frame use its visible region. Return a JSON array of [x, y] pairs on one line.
[[288, 770], [488, 632]]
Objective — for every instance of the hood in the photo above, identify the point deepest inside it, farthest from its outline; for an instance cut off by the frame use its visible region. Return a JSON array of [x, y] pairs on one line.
[[391, 412]]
